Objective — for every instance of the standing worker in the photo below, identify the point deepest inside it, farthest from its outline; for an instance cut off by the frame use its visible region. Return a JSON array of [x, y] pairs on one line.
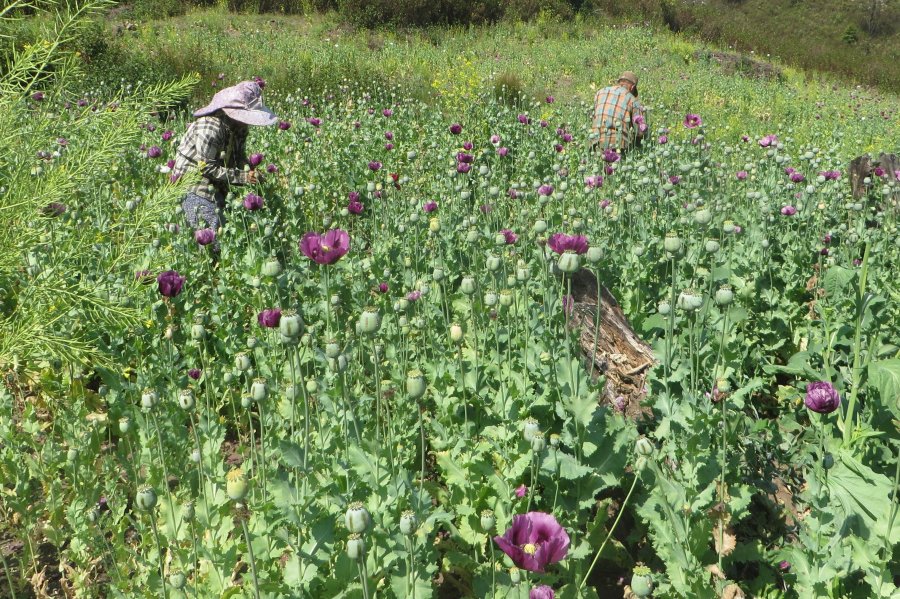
[[618, 121], [214, 145]]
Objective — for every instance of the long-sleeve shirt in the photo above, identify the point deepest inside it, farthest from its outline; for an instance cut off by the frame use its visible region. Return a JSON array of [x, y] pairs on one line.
[[217, 150], [617, 120]]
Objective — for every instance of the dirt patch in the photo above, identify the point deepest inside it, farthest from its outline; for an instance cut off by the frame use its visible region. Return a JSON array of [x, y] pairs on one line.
[[740, 64]]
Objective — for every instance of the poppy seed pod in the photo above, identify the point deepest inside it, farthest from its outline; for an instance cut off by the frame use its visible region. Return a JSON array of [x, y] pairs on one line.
[[149, 399], [644, 447], [187, 513], [236, 485], [724, 295], [438, 274], [271, 267], [506, 298], [259, 390], [641, 582], [370, 320], [312, 386], [177, 580], [246, 401], [569, 262], [594, 254], [71, 455], [356, 518], [291, 324], [124, 425], [540, 227], [703, 216], [493, 263], [689, 301], [356, 547], [473, 236], [186, 399], [415, 384], [672, 243], [488, 521], [522, 274], [712, 246], [468, 286], [145, 498], [408, 523], [515, 576], [338, 364], [242, 362], [198, 331], [538, 443], [664, 308], [728, 226], [456, 333], [332, 348], [490, 298], [434, 224], [252, 341], [530, 428]]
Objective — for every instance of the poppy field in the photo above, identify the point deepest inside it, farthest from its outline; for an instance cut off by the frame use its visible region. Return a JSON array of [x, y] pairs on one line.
[[369, 381]]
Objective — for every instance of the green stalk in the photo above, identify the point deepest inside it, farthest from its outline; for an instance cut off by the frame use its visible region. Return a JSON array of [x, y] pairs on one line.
[[12, 590], [851, 404], [159, 555], [252, 560], [890, 526], [609, 534]]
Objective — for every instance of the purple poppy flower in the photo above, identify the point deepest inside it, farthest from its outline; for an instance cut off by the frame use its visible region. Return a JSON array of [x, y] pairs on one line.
[[259, 81], [593, 181], [486, 208], [524, 119], [54, 209], [167, 135], [495, 139], [604, 203], [663, 139], [170, 283], [741, 175], [692, 121], [788, 210], [561, 243], [824, 252], [467, 145], [353, 196], [154, 152], [284, 125], [609, 169], [831, 175], [784, 565], [545, 190], [269, 318], [745, 138], [550, 99], [387, 112], [256, 159], [383, 287], [567, 137], [503, 151], [194, 373], [170, 164], [797, 177], [389, 135], [541, 592], [509, 236], [879, 172], [430, 206], [204, 236], [610, 156], [463, 167], [738, 229], [374, 165], [674, 179], [271, 169], [827, 239], [62, 141], [143, 276], [822, 397], [82, 103], [463, 157], [253, 202], [314, 121], [455, 128], [558, 147], [38, 96], [544, 124], [619, 404], [355, 207], [521, 491], [534, 541], [768, 140], [789, 170], [327, 248], [413, 296], [513, 194]]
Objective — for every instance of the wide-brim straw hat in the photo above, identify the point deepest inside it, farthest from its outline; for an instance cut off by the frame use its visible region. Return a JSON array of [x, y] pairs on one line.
[[241, 102]]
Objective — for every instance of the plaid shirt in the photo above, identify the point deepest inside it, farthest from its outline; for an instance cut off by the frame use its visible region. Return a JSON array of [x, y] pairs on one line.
[[617, 116], [217, 150]]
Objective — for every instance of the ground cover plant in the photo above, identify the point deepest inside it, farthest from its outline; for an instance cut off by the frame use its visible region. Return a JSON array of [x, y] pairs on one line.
[[373, 388]]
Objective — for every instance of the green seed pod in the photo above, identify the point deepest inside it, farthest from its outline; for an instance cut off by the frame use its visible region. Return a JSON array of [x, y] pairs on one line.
[[664, 308], [259, 390], [291, 324], [569, 262], [290, 392], [149, 399], [493, 263], [515, 576], [93, 515], [644, 447], [415, 384], [72, 455], [703, 216], [641, 582], [251, 342], [712, 246], [335, 300], [228, 377], [338, 364], [554, 440], [490, 298], [468, 286], [728, 226], [356, 518], [530, 428], [124, 424], [594, 254], [522, 274], [370, 320], [473, 236], [538, 444], [242, 362], [271, 267], [236, 484], [434, 224], [332, 348], [506, 298], [456, 333], [437, 274], [186, 399], [408, 523], [724, 295], [540, 227], [198, 332], [688, 300], [177, 580], [488, 521], [145, 498], [672, 243], [246, 401], [312, 386], [356, 547], [187, 513]]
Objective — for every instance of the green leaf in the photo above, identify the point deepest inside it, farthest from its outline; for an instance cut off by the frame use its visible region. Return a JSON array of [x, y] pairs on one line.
[[453, 473], [863, 496], [836, 280], [884, 375]]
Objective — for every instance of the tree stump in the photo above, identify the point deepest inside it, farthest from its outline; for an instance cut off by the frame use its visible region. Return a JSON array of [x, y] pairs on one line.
[[617, 353], [863, 166]]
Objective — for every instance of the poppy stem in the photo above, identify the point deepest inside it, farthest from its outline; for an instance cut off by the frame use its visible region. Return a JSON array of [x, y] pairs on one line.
[[609, 534]]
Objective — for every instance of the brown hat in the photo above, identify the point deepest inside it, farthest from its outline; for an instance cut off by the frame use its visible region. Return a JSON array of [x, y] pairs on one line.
[[629, 76]]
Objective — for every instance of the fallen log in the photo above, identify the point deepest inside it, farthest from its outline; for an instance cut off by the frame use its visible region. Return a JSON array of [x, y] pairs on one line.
[[617, 352], [863, 166]]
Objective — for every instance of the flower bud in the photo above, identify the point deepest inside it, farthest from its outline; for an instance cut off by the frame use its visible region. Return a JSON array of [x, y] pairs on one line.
[[356, 518], [312, 386], [728, 226], [415, 384], [473, 236], [408, 523], [236, 484], [291, 324], [259, 390], [145, 498], [488, 521], [356, 547], [246, 401], [644, 447], [370, 320], [124, 424], [186, 399]]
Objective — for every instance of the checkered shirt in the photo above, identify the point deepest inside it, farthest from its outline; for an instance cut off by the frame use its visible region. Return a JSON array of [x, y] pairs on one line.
[[217, 150], [613, 124]]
